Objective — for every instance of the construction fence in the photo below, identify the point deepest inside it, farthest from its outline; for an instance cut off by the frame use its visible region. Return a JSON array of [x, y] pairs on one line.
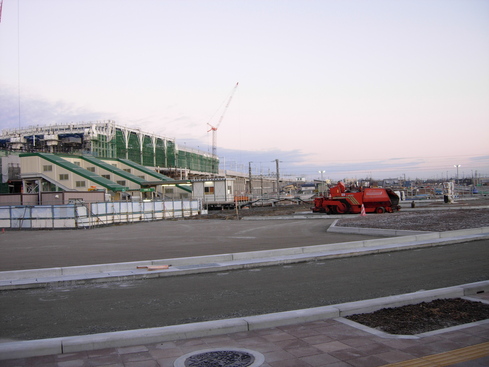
[[72, 216]]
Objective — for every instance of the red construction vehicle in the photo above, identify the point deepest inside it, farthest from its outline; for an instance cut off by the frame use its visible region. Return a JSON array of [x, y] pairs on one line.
[[340, 201]]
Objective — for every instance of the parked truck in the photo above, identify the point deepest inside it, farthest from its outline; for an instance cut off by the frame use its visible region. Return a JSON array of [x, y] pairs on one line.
[[341, 201]]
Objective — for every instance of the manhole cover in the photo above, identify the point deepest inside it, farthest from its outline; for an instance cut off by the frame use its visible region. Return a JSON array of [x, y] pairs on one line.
[[222, 357]]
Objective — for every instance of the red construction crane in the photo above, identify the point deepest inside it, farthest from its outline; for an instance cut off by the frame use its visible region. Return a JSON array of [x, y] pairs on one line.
[[214, 128]]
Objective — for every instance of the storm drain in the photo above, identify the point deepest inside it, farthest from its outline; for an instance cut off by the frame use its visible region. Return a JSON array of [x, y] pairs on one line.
[[222, 357]]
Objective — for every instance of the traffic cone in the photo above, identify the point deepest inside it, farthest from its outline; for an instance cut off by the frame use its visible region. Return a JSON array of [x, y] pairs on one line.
[[362, 212]]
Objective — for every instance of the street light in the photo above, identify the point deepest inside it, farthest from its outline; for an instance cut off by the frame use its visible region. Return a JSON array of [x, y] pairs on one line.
[[457, 166]]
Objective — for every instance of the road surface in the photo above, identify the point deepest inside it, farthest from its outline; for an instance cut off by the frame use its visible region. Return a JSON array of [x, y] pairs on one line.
[[159, 240], [95, 308]]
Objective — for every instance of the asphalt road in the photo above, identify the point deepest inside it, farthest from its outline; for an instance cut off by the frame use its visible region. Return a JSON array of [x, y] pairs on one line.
[[159, 240], [94, 308]]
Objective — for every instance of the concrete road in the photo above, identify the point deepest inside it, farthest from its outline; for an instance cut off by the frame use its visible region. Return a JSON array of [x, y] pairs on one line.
[[95, 308], [159, 240]]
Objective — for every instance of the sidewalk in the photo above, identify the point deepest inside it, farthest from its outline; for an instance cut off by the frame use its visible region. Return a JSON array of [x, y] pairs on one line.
[[331, 342]]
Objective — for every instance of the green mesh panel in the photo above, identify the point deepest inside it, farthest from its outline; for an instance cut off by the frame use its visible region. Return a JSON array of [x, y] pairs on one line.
[[103, 148], [134, 153], [160, 153], [182, 159], [166, 153], [120, 144], [171, 154], [148, 156]]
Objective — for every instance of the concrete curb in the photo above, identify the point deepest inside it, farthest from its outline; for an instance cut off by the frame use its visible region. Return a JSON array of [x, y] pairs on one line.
[[373, 231], [300, 216], [71, 344], [38, 278]]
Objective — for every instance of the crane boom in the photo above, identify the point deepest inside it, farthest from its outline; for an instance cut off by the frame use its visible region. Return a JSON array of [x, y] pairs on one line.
[[214, 128]]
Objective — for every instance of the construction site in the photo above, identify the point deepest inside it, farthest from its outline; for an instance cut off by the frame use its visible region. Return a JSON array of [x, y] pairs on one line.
[[81, 175], [100, 162]]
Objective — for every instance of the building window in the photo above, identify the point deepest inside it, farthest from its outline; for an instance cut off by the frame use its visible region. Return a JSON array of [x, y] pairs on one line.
[[80, 184], [209, 190], [91, 169], [141, 177], [122, 183], [77, 164], [63, 176], [106, 176], [128, 170], [47, 168]]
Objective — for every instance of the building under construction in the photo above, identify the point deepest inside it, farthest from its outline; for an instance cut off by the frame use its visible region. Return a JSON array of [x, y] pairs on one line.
[[124, 163], [106, 139]]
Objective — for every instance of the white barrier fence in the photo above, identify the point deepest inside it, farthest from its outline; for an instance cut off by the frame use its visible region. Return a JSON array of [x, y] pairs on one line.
[[94, 214]]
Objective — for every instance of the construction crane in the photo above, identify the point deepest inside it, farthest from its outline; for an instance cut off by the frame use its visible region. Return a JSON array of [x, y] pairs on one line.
[[214, 128]]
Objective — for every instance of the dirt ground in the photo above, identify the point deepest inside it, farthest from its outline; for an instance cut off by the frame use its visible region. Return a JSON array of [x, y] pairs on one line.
[[432, 220], [411, 319], [284, 208], [439, 220], [424, 317]]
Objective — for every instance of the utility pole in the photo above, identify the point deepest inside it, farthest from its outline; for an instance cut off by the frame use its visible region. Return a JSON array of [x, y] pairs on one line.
[[249, 179], [278, 179], [457, 166], [472, 189]]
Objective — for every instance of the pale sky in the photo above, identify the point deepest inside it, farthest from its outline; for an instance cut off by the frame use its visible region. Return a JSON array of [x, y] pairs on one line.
[[354, 88]]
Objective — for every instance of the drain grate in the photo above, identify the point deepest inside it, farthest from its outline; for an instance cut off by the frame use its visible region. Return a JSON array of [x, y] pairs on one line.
[[228, 358], [231, 357]]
